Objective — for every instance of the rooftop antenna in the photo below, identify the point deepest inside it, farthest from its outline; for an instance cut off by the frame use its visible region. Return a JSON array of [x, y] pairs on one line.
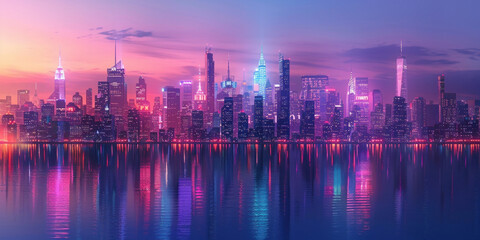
[[228, 66], [401, 47], [199, 79], [115, 52]]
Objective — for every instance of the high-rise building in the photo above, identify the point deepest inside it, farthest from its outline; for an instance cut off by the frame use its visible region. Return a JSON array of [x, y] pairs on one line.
[[140, 91], [399, 125], [258, 116], [23, 96], [117, 103], [30, 120], [60, 109], [89, 101], [260, 76], [401, 75], [377, 98], [377, 120], [186, 97], [242, 125], [197, 125], [307, 125], [102, 100], [227, 119], [362, 100], [133, 125], [228, 84], [59, 90], [350, 94], [441, 87], [210, 79], [77, 99], [283, 100], [171, 107], [418, 116], [199, 97], [431, 114], [449, 108], [313, 89]]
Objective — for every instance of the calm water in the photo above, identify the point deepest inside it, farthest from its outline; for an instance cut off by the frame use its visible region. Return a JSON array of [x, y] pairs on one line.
[[240, 191]]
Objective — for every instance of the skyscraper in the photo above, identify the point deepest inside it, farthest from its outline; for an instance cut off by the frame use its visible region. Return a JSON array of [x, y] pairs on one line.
[[401, 75], [210, 79], [102, 100], [118, 93], [141, 93], [399, 127], [171, 107], [314, 89], [227, 119], [77, 99], [307, 125], [89, 101], [350, 94], [260, 75], [228, 84], [186, 97], [283, 100], [23, 96], [361, 100], [258, 116], [199, 97], [418, 116], [59, 90]]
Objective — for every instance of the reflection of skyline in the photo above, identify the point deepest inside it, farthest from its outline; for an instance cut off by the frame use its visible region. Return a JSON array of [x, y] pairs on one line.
[[251, 191]]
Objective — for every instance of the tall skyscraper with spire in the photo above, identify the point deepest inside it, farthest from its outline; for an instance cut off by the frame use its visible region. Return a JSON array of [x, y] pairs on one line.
[[401, 74], [59, 90], [199, 97], [117, 91], [228, 84], [260, 75], [350, 94], [210, 78]]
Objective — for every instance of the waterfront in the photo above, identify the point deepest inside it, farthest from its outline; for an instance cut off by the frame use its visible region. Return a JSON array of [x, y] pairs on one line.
[[241, 191]]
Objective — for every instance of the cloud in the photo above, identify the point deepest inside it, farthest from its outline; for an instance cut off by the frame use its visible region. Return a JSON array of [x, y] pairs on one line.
[[435, 62], [386, 53], [125, 33], [468, 51]]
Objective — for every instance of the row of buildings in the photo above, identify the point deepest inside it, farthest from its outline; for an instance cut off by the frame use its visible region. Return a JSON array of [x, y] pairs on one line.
[[261, 109]]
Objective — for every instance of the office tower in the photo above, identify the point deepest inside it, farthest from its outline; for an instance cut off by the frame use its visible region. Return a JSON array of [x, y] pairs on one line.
[[361, 100], [140, 91], [30, 120], [431, 114], [350, 95], [401, 75], [60, 109], [377, 120], [388, 114], [23, 96], [186, 97], [307, 121], [198, 130], [336, 121], [269, 100], [332, 99], [242, 125], [74, 118], [268, 129], [10, 127], [260, 76], [88, 127], [283, 100], [314, 89], [199, 97], [462, 111], [441, 87], [228, 84], [210, 79], [133, 126], [258, 116], [171, 107], [117, 103], [77, 99], [59, 90], [107, 130], [89, 101], [418, 116], [399, 121], [102, 100], [377, 98], [449, 108], [227, 119]]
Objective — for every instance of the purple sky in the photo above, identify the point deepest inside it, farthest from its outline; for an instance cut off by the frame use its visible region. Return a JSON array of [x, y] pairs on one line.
[[164, 41]]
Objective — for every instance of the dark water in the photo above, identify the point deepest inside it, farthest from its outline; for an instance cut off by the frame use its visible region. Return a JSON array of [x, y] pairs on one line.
[[240, 191]]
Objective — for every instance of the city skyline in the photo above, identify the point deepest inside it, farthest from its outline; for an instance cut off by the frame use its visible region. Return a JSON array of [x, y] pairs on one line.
[[355, 45]]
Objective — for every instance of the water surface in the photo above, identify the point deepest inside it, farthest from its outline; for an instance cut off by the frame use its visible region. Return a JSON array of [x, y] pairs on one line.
[[208, 191]]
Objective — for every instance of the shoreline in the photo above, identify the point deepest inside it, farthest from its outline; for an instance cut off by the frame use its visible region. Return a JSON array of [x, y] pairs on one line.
[[243, 143]]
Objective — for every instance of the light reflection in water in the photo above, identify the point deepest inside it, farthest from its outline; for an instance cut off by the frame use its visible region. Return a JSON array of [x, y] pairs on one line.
[[258, 191]]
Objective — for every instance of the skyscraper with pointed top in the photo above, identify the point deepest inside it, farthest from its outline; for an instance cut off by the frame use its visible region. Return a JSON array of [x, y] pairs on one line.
[[228, 84], [59, 90], [401, 74], [260, 75], [117, 91], [199, 97], [210, 79]]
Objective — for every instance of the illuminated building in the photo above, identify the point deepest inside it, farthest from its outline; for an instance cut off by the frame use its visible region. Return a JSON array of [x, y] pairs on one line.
[[102, 100], [362, 101], [314, 89], [30, 120], [59, 90], [199, 97], [77, 99], [242, 125], [117, 86], [186, 97], [210, 79], [307, 125], [23, 96], [283, 100], [227, 119], [133, 126], [401, 89], [258, 116], [198, 131], [228, 84], [260, 76], [171, 107], [418, 116], [89, 101]]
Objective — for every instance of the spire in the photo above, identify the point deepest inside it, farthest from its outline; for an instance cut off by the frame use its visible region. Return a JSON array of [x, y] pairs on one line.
[[401, 47], [228, 66], [59, 58], [115, 52], [199, 79], [261, 62]]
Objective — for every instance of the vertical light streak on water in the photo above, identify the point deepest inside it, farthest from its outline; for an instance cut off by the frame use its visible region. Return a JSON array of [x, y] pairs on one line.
[[58, 202]]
